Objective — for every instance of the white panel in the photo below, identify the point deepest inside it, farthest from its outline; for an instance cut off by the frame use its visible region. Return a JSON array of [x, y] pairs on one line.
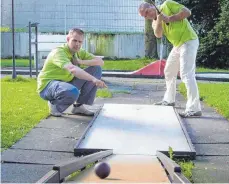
[[96, 15], [136, 129]]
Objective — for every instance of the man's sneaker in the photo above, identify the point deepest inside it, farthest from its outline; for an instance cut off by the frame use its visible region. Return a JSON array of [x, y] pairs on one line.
[[164, 103], [81, 110], [53, 110], [189, 114]]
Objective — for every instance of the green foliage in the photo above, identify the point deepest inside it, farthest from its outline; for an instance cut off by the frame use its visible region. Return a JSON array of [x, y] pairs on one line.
[[204, 14], [214, 49], [210, 19], [187, 167], [171, 153]]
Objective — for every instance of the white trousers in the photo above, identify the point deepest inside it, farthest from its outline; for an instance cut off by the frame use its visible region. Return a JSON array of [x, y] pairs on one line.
[[183, 58]]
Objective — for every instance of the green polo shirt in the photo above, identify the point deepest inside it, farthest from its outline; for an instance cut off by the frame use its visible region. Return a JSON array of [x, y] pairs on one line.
[[53, 68], [177, 32]]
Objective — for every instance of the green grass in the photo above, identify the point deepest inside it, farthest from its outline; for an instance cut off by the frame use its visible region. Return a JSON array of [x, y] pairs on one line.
[[104, 93], [121, 92], [186, 167], [134, 64], [73, 176], [201, 69], [214, 94], [18, 62], [8, 29], [108, 64], [22, 109]]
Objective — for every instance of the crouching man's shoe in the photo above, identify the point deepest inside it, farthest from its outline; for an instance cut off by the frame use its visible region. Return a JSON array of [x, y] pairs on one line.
[[81, 110], [53, 110], [190, 114]]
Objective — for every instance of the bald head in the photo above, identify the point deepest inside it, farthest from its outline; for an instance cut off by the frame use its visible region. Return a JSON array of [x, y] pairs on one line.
[[144, 6], [147, 10]]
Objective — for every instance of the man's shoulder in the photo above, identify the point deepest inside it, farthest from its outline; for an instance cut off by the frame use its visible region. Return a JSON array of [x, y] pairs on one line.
[[59, 49], [170, 2]]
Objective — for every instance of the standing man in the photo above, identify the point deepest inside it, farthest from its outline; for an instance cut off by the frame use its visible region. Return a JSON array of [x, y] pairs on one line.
[[63, 83], [172, 22]]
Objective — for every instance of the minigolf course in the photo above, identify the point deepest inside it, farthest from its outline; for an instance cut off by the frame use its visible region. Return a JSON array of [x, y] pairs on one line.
[[134, 141]]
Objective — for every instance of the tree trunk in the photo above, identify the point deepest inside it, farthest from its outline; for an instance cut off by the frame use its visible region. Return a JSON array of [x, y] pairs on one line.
[[150, 39]]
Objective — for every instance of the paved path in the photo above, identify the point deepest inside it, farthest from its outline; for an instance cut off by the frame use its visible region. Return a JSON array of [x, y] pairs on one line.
[[53, 139]]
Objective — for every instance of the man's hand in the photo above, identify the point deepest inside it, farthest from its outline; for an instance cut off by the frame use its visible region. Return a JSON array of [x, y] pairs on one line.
[[161, 17], [99, 83]]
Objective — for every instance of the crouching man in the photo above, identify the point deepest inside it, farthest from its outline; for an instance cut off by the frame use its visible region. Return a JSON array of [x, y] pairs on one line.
[[62, 82]]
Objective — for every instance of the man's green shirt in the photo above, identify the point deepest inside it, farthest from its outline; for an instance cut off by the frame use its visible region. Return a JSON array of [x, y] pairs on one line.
[[53, 68], [177, 32]]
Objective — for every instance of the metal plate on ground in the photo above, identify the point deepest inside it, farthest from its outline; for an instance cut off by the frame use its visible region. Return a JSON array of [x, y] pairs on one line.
[[136, 129], [126, 168]]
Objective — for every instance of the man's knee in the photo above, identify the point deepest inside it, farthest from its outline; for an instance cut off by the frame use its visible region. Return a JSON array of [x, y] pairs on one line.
[[96, 71], [70, 95], [187, 77], [167, 73]]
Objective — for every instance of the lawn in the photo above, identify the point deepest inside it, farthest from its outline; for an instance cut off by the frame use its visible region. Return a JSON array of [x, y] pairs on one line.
[[18, 62], [131, 65], [22, 109], [109, 64], [214, 94], [201, 69]]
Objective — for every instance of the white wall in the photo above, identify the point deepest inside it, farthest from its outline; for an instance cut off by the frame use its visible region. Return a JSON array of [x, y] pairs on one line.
[[120, 46]]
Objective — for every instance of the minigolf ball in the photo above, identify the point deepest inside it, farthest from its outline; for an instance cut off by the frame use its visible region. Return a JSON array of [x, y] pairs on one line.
[[102, 170]]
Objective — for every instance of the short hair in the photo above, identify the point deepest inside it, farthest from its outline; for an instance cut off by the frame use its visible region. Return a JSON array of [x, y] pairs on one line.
[[75, 30], [144, 6]]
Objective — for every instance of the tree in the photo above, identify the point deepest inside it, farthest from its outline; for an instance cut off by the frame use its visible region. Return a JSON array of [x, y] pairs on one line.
[[214, 49], [204, 14], [150, 39]]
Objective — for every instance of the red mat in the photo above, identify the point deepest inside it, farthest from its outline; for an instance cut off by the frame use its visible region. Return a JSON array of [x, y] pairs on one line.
[[155, 68]]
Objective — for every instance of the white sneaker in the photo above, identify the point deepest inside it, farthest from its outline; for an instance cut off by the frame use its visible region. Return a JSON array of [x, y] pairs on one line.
[[164, 103], [81, 110], [189, 114], [53, 110]]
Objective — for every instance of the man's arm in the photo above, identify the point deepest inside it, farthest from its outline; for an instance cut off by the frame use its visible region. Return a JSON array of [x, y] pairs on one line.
[[157, 28], [184, 13], [96, 61], [81, 74]]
